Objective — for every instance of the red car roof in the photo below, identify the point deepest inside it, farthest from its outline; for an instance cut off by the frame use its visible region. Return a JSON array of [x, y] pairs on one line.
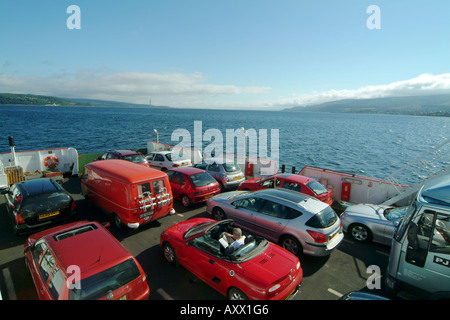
[[188, 170], [294, 177], [92, 251]]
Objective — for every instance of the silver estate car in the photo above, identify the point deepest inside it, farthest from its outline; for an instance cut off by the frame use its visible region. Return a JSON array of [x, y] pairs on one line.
[[297, 222], [229, 175], [369, 222]]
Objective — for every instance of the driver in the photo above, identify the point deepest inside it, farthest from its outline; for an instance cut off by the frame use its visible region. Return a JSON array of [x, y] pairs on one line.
[[235, 240]]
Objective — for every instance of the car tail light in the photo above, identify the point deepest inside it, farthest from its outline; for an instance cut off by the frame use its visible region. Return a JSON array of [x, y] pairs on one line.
[[317, 236], [19, 219], [175, 165], [19, 198], [73, 206]]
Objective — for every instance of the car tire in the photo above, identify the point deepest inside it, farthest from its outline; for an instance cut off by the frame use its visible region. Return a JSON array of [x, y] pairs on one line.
[[236, 294], [169, 254], [218, 214], [360, 233], [291, 244], [117, 222], [185, 201]]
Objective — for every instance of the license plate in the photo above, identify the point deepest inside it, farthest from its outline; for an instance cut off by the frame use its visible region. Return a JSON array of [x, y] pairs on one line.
[[47, 215], [209, 196], [236, 178], [123, 297]]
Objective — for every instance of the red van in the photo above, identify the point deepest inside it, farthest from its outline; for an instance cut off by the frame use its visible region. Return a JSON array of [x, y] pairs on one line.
[[132, 193], [83, 261]]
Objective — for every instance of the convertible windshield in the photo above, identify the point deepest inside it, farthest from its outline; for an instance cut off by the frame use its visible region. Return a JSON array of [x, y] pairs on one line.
[[197, 229]]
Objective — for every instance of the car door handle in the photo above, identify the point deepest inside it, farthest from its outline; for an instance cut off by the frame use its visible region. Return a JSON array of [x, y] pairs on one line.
[[212, 261]]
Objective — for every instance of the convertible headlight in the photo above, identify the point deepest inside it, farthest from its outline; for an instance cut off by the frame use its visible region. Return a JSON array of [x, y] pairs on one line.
[[297, 266]]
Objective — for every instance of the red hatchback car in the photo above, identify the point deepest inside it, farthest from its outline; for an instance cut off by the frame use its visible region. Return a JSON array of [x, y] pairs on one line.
[[258, 269], [83, 261], [293, 182], [192, 185]]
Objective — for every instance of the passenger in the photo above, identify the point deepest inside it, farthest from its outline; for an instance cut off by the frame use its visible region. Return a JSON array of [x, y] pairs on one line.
[[235, 240]]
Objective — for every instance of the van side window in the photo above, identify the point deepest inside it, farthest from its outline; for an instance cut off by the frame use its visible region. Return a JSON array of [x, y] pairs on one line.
[[419, 235], [441, 235]]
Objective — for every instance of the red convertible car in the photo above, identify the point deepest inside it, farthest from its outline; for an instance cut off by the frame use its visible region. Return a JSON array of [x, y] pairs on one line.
[[258, 269]]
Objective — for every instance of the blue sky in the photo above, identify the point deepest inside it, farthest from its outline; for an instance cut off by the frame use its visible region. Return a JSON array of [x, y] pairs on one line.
[[259, 54]]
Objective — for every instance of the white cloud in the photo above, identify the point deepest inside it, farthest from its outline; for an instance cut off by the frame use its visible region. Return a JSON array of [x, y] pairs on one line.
[[193, 90], [174, 89], [425, 84]]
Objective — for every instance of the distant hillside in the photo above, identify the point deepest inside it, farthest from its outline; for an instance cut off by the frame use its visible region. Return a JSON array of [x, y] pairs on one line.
[[432, 105], [34, 100], [37, 100]]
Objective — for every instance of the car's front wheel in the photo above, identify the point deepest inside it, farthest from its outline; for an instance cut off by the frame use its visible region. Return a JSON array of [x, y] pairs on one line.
[[169, 254]]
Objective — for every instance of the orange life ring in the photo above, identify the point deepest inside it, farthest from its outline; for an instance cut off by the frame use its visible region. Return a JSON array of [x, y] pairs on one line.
[[51, 161]]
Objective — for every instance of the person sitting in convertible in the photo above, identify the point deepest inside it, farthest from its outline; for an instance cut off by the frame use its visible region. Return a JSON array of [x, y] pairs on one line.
[[233, 241]]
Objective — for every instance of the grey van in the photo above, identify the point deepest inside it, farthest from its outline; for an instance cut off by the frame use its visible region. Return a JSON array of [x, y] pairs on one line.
[[419, 262]]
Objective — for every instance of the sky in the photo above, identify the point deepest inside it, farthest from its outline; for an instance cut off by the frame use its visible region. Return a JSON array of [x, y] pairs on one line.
[[233, 54]]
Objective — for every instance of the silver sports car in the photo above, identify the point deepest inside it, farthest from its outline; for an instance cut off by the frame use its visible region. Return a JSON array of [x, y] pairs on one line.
[[369, 222]]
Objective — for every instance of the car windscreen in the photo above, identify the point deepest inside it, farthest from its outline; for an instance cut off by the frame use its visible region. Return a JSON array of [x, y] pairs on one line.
[[317, 187], [197, 229], [44, 202], [324, 219], [136, 158], [231, 167], [100, 284], [202, 179]]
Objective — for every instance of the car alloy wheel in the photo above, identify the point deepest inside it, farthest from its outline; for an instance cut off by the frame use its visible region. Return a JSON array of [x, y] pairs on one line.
[[236, 294], [185, 201], [360, 233], [291, 244], [219, 214], [169, 254]]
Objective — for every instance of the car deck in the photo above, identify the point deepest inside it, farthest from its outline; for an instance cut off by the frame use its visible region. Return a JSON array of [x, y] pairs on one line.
[[349, 267]]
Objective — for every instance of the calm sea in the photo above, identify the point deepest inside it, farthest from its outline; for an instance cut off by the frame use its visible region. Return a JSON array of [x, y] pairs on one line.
[[371, 145]]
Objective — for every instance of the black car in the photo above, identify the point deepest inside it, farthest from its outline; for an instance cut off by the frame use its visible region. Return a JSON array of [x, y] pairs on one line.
[[34, 204]]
